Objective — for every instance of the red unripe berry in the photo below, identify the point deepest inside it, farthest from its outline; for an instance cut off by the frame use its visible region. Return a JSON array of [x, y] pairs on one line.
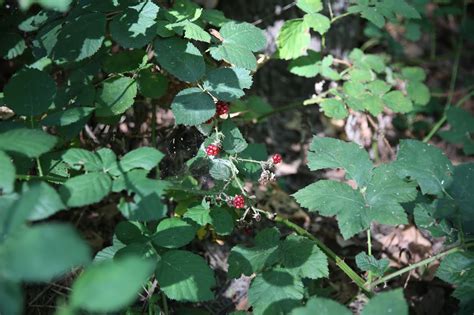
[[212, 150], [276, 158], [222, 108], [238, 202]]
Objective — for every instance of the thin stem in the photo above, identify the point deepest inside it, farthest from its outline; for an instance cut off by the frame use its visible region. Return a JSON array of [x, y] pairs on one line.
[[340, 17], [369, 252], [165, 303], [418, 264], [331, 255], [48, 178], [331, 15]]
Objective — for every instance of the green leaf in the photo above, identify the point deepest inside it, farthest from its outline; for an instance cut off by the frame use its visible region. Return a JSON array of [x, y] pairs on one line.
[[461, 128], [196, 32], [152, 84], [86, 189], [11, 292], [426, 164], [416, 74], [30, 92], [273, 291], [303, 258], [116, 96], [173, 233], [349, 206], [425, 218], [78, 158], [306, 66], [310, 6], [233, 141], [67, 117], [227, 84], [460, 190], [180, 58], [334, 108], [418, 93], [81, 38], [129, 232], [29, 142], [7, 169], [334, 153], [38, 253], [124, 61], [318, 22], [293, 39], [47, 203], [369, 263], [239, 41], [221, 169], [192, 107], [184, 276], [136, 26], [111, 285], [321, 306], [249, 260], [390, 302], [199, 214], [222, 221], [11, 46], [214, 17], [396, 101], [144, 157], [56, 5]]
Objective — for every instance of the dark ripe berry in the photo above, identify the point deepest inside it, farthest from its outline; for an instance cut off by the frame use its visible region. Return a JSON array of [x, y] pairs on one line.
[[238, 202], [276, 158], [222, 108], [212, 150]]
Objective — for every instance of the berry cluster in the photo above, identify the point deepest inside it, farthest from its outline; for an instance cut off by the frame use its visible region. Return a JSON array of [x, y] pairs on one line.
[[212, 150], [276, 158], [222, 108], [238, 202]]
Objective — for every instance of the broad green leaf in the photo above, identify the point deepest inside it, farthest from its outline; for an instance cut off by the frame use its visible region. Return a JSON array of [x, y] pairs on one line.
[[86, 189], [310, 6], [67, 117], [30, 92], [111, 285], [38, 253], [56, 5], [373, 104], [273, 291], [29, 142], [233, 141], [136, 26], [239, 42], [418, 93], [378, 87], [294, 39], [129, 232], [334, 153], [108, 159], [196, 32], [416, 74], [349, 206], [34, 22], [301, 257], [78, 158], [143, 207], [228, 84], [184, 276], [221, 169], [321, 306], [124, 61], [201, 214], [249, 260], [367, 61], [425, 218], [152, 84], [180, 58], [456, 268], [460, 190], [222, 221], [334, 108], [7, 169], [396, 101], [389, 302], [144, 157], [192, 107], [461, 128], [426, 164], [116, 96], [80, 38], [11, 291], [47, 203], [108, 253], [318, 22], [12, 45], [306, 66], [214, 17], [370, 263], [173, 233]]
